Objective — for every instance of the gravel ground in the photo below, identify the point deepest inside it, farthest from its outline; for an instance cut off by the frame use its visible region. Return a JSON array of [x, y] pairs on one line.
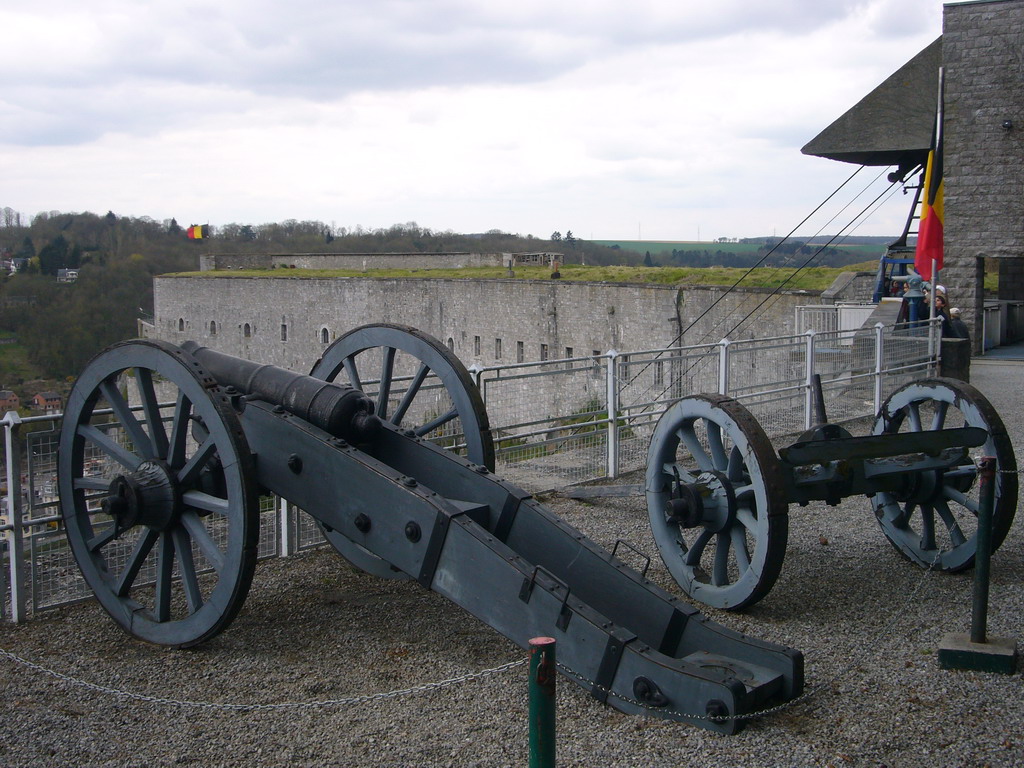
[[867, 621]]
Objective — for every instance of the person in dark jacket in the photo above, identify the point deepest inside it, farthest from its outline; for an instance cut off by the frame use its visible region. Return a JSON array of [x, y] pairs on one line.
[[957, 327]]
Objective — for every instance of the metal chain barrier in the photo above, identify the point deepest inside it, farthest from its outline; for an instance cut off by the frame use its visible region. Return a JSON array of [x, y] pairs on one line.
[[808, 694], [343, 701], [367, 698]]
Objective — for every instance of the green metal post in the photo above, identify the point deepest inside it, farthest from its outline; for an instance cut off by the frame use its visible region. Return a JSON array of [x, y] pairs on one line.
[[977, 651], [542, 702], [983, 556]]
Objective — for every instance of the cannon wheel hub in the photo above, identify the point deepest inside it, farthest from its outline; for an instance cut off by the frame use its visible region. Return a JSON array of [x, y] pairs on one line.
[[149, 496]]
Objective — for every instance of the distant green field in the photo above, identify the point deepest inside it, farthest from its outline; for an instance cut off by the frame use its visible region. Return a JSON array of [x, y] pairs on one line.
[[810, 278], [864, 252], [872, 251]]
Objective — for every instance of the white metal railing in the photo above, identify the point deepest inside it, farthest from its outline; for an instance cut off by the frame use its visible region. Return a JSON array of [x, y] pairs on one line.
[[555, 423]]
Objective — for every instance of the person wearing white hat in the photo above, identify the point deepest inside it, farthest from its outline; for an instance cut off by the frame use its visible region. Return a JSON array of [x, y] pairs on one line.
[[957, 327]]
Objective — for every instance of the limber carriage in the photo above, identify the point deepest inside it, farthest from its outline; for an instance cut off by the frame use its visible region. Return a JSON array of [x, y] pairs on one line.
[[160, 507], [718, 493]]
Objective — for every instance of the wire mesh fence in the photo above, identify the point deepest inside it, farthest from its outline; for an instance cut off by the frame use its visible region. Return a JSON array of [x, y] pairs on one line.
[[554, 423]]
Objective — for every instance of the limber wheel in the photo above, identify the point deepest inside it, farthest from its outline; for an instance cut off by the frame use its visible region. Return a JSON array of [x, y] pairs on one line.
[[417, 383], [162, 518], [716, 500], [934, 521]]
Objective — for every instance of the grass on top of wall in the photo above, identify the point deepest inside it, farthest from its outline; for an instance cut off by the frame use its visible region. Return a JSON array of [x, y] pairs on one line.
[[808, 279]]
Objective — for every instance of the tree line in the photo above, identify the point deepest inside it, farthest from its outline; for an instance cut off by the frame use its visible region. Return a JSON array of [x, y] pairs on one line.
[[788, 254], [62, 325]]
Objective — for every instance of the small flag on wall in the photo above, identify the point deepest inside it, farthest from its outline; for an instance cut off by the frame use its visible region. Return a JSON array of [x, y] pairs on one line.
[[198, 231]]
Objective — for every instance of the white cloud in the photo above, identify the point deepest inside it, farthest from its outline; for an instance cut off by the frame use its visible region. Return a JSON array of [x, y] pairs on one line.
[[470, 115]]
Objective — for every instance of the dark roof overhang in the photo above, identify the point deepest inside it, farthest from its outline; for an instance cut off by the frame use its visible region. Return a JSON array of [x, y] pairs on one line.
[[893, 124]]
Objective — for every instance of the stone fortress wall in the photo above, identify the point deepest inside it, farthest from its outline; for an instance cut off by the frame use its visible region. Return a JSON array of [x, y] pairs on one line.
[[289, 321], [365, 261]]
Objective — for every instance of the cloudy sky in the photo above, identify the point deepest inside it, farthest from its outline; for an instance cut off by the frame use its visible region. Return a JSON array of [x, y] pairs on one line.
[[670, 119]]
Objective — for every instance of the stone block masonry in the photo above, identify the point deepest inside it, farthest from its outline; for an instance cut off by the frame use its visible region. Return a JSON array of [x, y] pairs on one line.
[[364, 261], [982, 46], [289, 321]]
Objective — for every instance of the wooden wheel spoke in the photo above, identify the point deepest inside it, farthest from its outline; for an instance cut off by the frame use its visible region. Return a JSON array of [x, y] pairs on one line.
[[188, 474], [164, 578], [747, 519], [206, 502], [903, 514], [187, 568], [135, 560], [956, 534], [151, 410], [739, 547], [387, 370], [963, 500], [91, 483], [720, 570], [440, 421], [718, 457], [353, 372], [180, 422], [927, 528], [110, 446], [734, 469], [743, 491], [139, 437], [914, 413], [694, 553], [198, 533], [410, 394], [689, 437], [102, 539]]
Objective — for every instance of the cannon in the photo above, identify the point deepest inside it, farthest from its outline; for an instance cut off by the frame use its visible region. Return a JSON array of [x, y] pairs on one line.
[[165, 450], [718, 493]]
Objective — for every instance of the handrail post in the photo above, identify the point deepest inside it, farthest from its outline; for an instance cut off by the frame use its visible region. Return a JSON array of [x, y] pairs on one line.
[[612, 397], [809, 378], [15, 542], [477, 372], [879, 359], [723, 366], [286, 545]]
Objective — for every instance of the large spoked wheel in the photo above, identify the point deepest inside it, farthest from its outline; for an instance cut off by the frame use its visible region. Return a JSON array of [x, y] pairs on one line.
[[158, 502], [934, 522], [417, 383], [715, 496]]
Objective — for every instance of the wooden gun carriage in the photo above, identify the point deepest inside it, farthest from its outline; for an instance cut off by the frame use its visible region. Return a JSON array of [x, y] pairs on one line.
[[160, 505]]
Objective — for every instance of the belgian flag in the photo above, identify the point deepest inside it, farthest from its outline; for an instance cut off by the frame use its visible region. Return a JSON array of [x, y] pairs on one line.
[[198, 231], [929, 231]]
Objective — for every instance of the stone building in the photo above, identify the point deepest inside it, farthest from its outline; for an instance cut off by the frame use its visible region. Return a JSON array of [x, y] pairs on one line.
[[980, 53], [288, 319], [365, 261]]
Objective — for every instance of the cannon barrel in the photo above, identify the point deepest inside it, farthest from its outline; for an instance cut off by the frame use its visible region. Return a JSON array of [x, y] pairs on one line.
[[338, 409]]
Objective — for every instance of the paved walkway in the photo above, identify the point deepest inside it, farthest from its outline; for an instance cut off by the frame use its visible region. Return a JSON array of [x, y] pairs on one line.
[[1005, 352]]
